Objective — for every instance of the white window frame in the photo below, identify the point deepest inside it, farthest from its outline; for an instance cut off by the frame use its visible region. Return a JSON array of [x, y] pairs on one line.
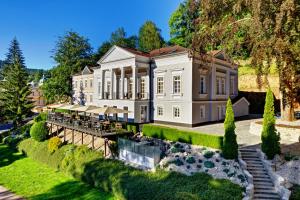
[[99, 87], [159, 90], [202, 109], [143, 88], [85, 83], [160, 108], [231, 86], [173, 83], [91, 83], [204, 84], [91, 98], [174, 112]]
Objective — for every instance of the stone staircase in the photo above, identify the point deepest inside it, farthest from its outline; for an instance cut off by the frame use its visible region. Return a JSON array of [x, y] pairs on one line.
[[263, 186]]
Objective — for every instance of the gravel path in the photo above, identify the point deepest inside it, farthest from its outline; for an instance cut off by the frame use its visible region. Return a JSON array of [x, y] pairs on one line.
[[7, 195]]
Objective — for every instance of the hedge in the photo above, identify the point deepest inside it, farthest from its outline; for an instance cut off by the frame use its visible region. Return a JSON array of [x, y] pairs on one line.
[[39, 131], [133, 128], [125, 182], [191, 137]]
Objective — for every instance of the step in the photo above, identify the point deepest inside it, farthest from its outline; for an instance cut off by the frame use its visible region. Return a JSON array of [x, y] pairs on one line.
[[260, 176], [255, 178], [247, 149], [263, 187], [266, 196], [263, 184], [250, 158], [262, 191]]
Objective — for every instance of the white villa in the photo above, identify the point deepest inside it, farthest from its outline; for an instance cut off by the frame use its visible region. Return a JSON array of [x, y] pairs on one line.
[[167, 85]]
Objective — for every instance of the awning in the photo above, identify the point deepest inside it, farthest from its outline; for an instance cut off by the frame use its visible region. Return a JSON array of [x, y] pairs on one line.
[[52, 106], [68, 107], [107, 110], [83, 108]]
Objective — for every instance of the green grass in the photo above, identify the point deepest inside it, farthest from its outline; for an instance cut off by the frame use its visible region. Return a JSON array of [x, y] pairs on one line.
[[295, 193], [249, 70], [36, 181], [127, 183]]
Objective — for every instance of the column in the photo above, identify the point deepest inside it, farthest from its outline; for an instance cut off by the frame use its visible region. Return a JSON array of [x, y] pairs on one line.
[[111, 83], [213, 82], [134, 79], [227, 83], [122, 83], [102, 84]]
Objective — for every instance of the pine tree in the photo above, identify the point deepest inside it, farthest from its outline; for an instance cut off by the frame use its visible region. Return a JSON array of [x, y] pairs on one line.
[[269, 136], [15, 89], [230, 146]]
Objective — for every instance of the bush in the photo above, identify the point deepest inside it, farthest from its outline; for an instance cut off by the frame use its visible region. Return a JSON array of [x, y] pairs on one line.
[[208, 154], [13, 140], [270, 138], [41, 117], [230, 146], [39, 131], [209, 164], [54, 144], [190, 160], [133, 128], [173, 134], [125, 182]]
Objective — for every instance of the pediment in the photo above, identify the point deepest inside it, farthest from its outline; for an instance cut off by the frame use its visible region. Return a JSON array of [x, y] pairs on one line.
[[86, 70], [116, 53]]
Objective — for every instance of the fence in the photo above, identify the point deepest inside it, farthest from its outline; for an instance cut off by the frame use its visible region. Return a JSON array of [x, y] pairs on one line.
[[139, 153]]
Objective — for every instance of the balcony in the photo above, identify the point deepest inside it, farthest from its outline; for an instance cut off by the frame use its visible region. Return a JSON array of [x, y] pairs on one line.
[[127, 96]]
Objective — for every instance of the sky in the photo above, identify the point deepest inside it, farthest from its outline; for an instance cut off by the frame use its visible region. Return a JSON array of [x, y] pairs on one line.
[[38, 23]]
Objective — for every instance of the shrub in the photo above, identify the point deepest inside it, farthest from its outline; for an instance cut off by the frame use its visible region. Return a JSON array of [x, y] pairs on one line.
[[41, 117], [12, 140], [230, 146], [190, 160], [190, 137], [270, 138], [208, 154], [39, 131], [209, 164], [54, 144], [133, 128]]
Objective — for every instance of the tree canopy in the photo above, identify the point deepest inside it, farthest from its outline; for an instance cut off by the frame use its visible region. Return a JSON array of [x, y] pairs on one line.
[[150, 37], [72, 53], [182, 23], [15, 91], [266, 30], [118, 37]]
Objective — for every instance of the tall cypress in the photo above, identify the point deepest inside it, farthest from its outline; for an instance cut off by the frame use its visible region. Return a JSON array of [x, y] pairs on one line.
[[269, 136], [230, 146], [15, 88]]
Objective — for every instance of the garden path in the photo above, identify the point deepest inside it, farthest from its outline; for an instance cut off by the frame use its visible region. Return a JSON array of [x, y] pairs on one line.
[[7, 195]]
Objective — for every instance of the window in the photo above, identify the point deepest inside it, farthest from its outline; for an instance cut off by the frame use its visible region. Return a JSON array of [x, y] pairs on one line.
[[223, 111], [202, 85], [143, 95], [91, 98], [85, 83], [75, 84], [223, 85], [91, 83], [232, 85], [202, 112], [160, 111], [81, 84], [220, 85], [176, 112], [176, 84], [160, 85]]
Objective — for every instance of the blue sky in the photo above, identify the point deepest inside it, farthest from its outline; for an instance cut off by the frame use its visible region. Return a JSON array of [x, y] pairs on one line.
[[38, 23]]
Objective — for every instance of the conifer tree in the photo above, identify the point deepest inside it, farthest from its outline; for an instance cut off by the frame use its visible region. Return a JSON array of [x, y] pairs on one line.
[[230, 146], [269, 136], [14, 88]]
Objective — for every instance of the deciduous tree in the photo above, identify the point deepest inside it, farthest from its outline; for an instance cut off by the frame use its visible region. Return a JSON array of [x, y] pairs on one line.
[[150, 37]]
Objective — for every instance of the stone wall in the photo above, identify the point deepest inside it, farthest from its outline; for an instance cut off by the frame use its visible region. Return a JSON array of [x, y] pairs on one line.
[[286, 134]]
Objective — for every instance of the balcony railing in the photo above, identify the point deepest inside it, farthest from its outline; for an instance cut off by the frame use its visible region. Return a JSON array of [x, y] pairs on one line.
[[127, 95]]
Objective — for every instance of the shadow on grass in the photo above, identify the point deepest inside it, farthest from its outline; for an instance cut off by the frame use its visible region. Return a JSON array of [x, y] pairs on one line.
[[8, 155], [128, 183], [73, 190]]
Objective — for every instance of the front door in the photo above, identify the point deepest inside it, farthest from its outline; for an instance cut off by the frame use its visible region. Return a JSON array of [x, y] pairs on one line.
[[144, 114]]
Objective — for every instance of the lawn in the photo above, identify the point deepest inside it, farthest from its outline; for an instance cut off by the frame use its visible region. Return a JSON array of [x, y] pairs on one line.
[[34, 180]]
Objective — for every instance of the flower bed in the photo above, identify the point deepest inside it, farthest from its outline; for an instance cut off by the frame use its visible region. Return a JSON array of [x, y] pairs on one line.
[[189, 159]]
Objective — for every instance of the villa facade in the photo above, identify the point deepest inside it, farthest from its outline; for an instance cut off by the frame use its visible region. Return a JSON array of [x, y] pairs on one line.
[[167, 85]]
